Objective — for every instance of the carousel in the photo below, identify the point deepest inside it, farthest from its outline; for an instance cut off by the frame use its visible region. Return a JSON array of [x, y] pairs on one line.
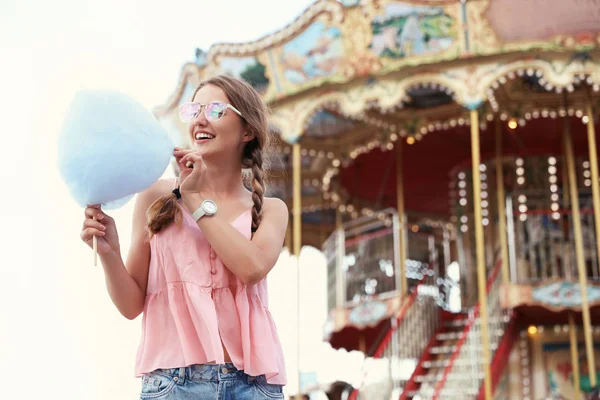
[[443, 156]]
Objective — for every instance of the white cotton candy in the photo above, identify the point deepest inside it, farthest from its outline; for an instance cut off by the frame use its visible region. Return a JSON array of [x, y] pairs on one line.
[[110, 148]]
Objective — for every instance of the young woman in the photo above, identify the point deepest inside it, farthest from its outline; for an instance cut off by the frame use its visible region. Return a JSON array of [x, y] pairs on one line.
[[201, 249]]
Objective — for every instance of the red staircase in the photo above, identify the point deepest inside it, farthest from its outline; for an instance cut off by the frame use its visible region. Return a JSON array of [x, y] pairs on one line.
[[462, 376], [432, 359], [500, 359], [435, 357], [407, 339], [448, 365]]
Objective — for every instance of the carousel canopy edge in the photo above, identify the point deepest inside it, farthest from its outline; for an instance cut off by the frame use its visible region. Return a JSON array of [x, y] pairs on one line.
[[337, 42]]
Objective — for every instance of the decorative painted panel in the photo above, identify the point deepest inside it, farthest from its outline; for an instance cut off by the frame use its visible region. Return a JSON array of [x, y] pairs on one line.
[[315, 53], [406, 30], [559, 370], [518, 25], [556, 295]]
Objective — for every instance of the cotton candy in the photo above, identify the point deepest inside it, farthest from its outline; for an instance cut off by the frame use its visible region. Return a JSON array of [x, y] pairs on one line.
[[110, 148]]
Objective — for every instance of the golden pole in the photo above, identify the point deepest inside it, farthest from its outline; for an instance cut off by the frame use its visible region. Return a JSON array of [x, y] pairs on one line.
[[297, 199], [594, 170], [579, 252], [288, 238], [501, 201], [481, 270], [297, 212], [574, 354], [340, 280], [401, 219]]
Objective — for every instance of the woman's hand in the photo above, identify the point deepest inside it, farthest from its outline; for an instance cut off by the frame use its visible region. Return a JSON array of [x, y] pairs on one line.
[[189, 179], [184, 170], [103, 227]]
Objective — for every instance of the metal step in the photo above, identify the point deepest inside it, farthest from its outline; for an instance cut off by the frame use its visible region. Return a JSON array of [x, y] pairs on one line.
[[442, 349], [456, 322], [436, 364], [449, 335], [462, 322], [450, 378], [443, 363], [451, 349], [426, 393]]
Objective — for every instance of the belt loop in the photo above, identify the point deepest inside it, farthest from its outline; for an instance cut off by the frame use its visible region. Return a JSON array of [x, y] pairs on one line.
[[181, 375]]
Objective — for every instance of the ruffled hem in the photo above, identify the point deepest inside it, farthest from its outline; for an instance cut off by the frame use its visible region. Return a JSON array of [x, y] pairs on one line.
[[181, 327]]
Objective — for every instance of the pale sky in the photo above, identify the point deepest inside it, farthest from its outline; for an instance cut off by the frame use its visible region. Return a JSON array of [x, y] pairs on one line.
[[60, 335]]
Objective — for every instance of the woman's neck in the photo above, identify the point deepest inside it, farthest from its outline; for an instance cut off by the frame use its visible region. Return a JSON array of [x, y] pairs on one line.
[[221, 180]]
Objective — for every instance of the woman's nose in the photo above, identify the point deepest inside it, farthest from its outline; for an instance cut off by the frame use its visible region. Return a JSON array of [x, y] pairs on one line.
[[201, 118]]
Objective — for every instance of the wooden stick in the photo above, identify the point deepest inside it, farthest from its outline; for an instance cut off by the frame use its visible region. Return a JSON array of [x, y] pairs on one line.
[[95, 247]]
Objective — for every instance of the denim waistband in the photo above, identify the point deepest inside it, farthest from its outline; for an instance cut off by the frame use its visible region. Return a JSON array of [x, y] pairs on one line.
[[205, 372]]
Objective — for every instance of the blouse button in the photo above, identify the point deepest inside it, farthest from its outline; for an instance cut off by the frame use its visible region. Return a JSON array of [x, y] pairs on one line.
[[213, 271], [213, 255]]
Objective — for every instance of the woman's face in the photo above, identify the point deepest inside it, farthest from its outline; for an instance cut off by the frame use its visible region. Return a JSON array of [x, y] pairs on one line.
[[214, 137]]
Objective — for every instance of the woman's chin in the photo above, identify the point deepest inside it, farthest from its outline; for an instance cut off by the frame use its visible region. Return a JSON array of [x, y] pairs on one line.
[[200, 148], [205, 150]]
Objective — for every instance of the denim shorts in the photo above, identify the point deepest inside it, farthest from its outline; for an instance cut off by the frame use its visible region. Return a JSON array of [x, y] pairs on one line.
[[207, 381]]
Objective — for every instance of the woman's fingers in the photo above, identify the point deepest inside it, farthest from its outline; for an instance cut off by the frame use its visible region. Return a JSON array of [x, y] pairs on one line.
[[180, 157], [92, 212], [91, 223], [92, 228], [191, 157], [178, 153], [184, 161], [88, 233]]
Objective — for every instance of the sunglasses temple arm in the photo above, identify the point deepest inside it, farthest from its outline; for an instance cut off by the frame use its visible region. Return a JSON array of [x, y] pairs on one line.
[[235, 109]]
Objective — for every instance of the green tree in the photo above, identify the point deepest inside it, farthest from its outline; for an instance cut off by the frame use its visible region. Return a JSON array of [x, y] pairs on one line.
[[255, 74]]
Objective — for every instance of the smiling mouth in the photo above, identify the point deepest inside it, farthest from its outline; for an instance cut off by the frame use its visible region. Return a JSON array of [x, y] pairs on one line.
[[203, 136]]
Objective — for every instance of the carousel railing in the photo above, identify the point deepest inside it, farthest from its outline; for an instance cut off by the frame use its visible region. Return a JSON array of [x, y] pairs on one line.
[[331, 250], [396, 357], [363, 257], [541, 240], [463, 374], [363, 263]]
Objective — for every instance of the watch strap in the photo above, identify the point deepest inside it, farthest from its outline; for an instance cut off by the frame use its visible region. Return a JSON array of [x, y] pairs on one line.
[[199, 213]]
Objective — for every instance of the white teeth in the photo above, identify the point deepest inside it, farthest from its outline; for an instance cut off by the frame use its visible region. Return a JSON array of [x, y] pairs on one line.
[[201, 135]]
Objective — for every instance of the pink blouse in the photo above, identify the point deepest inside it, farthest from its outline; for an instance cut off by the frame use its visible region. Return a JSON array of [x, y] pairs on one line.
[[195, 306]]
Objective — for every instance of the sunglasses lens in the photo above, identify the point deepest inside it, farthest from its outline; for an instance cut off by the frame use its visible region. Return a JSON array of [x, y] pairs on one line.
[[214, 111], [188, 112]]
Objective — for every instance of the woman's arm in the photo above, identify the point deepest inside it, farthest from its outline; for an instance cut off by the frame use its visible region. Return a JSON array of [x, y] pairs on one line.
[[126, 283], [249, 260]]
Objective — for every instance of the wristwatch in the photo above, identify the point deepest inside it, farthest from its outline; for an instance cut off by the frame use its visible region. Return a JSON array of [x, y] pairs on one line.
[[208, 207]]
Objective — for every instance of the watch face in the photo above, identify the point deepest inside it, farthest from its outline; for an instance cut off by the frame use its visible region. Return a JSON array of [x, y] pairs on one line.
[[209, 207]]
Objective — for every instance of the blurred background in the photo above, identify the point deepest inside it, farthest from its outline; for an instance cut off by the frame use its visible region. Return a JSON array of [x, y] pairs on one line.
[[438, 157]]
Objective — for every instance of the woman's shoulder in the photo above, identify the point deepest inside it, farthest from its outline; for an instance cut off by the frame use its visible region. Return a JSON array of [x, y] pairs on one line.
[[274, 205]]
